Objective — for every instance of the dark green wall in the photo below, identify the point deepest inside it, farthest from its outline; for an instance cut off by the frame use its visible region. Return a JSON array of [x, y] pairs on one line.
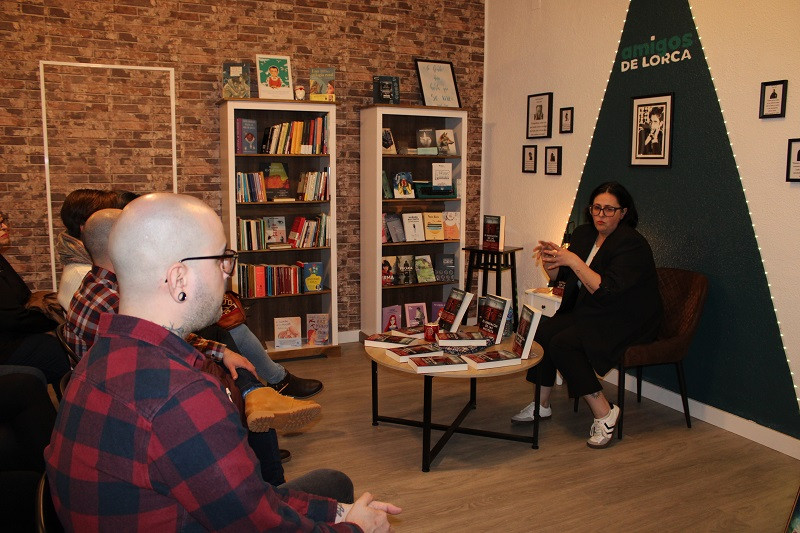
[[695, 216]]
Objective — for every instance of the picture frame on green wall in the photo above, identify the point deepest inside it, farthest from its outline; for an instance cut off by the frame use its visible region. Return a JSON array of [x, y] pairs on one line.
[[793, 160], [773, 99], [651, 130]]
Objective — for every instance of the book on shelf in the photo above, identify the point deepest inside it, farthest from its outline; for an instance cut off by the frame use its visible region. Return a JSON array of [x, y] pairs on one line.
[[434, 222], [444, 267], [236, 79], [403, 354], [492, 359], [296, 230], [494, 230], [492, 316], [246, 136], [391, 317], [436, 309], [387, 187], [437, 363], [394, 223], [268, 280], [387, 340], [423, 267], [384, 229], [405, 270], [386, 89], [274, 77], [387, 142], [277, 182], [311, 275], [288, 333], [416, 314], [318, 329], [446, 142], [417, 332], [402, 185], [426, 143], [451, 226], [297, 137], [441, 176], [523, 337], [313, 185], [322, 84], [462, 338], [413, 226], [260, 281], [388, 270], [275, 230], [455, 306]]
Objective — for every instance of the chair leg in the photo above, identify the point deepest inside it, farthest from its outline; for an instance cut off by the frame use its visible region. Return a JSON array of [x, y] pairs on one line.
[[639, 384], [620, 399], [684, 397]]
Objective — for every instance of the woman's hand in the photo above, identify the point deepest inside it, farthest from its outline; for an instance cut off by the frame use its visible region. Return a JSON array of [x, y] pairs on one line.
[[553, 256]]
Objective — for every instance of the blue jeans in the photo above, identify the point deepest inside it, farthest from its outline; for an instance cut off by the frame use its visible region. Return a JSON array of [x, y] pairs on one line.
[[252, 350]]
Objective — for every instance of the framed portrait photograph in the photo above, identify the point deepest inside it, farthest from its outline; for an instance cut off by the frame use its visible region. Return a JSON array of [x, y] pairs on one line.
[[540, 116], [274, 77], [529, 158], [793, 161], [651, 130], [773, 99], [552, 160], [416, 314], [437, 82], [565, 116]]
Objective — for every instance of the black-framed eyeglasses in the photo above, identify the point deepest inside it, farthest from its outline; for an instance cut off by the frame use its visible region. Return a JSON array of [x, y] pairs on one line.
[[607, 210], [227, 260]]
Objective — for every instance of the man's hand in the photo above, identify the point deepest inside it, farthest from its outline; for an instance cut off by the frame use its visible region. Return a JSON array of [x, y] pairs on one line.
[[233, 360], [371, 515]]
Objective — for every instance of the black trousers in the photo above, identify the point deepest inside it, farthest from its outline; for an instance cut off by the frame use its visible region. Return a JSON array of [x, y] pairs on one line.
[[44, 352]]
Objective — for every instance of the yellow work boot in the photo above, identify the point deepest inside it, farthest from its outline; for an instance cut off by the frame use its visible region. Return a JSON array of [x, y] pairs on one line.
[[265, 408]]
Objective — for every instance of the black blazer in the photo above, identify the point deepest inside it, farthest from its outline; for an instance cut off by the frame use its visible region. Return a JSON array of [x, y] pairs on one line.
[[626, 308]]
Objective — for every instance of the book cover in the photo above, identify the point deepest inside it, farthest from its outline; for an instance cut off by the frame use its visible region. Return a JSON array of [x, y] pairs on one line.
[[438, 363], [425, 139], [417, 332], [311, 276], [274, 77], [384, 229], [318, 327], [402, 185], [391, 318], [387, 340], [386, 89], [322, 84], [387, 187], [436, 309], [508, 329], [275, 229], [492, 359], [423, 267], [444, 267], [413, 226], [434, 224], [494, 229], [288, 332], [446, 142], [388, 270], [236, 79], [441, 176], [387, 142], [451, 226], [461, 338], [296, 231], [523, 337], [277, 182], [454, 309], [416, 314], [492, 316], [249, 136], [405, 270], [394, 223], [402, 355]]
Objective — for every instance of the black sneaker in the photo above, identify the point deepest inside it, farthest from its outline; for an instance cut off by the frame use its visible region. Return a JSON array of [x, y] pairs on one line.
[[295, 387]]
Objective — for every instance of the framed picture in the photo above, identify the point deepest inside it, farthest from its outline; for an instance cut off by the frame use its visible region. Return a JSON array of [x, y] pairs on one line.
[[773, 99], [437, 81], [565, 119], [651, 130], [529, 158], [274, 77], [416, 314], [793, 161], [540, 116], [552, 160]]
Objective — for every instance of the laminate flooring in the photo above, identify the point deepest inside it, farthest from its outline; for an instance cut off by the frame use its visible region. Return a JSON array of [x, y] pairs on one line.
[[661, 476]]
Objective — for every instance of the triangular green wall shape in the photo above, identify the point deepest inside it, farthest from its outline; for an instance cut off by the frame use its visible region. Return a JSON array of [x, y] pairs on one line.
[[695, 216]]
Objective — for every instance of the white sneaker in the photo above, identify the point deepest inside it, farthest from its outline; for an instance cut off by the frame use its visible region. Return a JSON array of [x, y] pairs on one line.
[[526, 415], [602, 430]]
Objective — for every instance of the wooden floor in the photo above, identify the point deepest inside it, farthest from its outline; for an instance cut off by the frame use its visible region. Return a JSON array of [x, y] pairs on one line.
[[660, 477]]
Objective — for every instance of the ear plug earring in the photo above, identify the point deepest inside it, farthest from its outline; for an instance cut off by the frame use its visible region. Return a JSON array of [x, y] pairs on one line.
[[181, 296]]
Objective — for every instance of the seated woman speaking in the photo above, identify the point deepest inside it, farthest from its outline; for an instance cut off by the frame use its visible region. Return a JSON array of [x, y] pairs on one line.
[[611, 301]]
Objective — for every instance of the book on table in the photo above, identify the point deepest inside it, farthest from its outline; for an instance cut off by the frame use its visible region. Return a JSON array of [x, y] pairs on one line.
[[436, 310], [433, 226], [318, 327], [391, 317], [492, 316], [236, 79], [403, 354], [423, 267], [494, 230], [523, 338], [492, 359], [387, 340], [417, 332], [454, 309], [462, 338], [437, 363], [413, 226], [288, 333]]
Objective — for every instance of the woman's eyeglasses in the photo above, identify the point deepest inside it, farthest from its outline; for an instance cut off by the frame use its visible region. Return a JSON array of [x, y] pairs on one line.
[[227, 260], [607, 210]]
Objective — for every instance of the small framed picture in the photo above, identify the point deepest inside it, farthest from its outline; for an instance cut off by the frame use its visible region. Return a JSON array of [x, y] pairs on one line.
[[565, 119], [552, 160], [540, 116], [274, 77], [437, 81], [651, 130], [529, 158], [773, 99], [416, 314], [793, 161]]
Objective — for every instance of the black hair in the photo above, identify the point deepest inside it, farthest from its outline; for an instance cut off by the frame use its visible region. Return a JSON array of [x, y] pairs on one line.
[[124, 198], [80, 204], [624, 198]]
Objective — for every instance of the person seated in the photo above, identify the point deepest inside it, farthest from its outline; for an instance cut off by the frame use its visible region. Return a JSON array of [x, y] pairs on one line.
[[178, 459], [23, 328], [611, 301]]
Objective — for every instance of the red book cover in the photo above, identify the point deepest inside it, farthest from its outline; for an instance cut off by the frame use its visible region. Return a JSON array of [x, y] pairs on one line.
[[261, 281], [297, 228]]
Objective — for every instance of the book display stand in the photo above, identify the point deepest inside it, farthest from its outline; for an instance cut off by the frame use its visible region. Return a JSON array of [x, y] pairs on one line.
[[496, 261]]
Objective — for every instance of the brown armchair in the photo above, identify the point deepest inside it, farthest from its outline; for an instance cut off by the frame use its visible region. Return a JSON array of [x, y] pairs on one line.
[[683, 293]]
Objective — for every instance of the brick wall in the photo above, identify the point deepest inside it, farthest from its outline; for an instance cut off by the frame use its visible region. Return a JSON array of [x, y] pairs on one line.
[[110, 128]]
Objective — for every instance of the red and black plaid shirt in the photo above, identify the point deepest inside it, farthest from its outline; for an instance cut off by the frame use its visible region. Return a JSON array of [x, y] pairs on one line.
[[146, 442]]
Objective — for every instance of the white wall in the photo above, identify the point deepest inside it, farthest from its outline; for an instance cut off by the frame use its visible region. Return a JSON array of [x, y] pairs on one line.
[[568, 47]]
